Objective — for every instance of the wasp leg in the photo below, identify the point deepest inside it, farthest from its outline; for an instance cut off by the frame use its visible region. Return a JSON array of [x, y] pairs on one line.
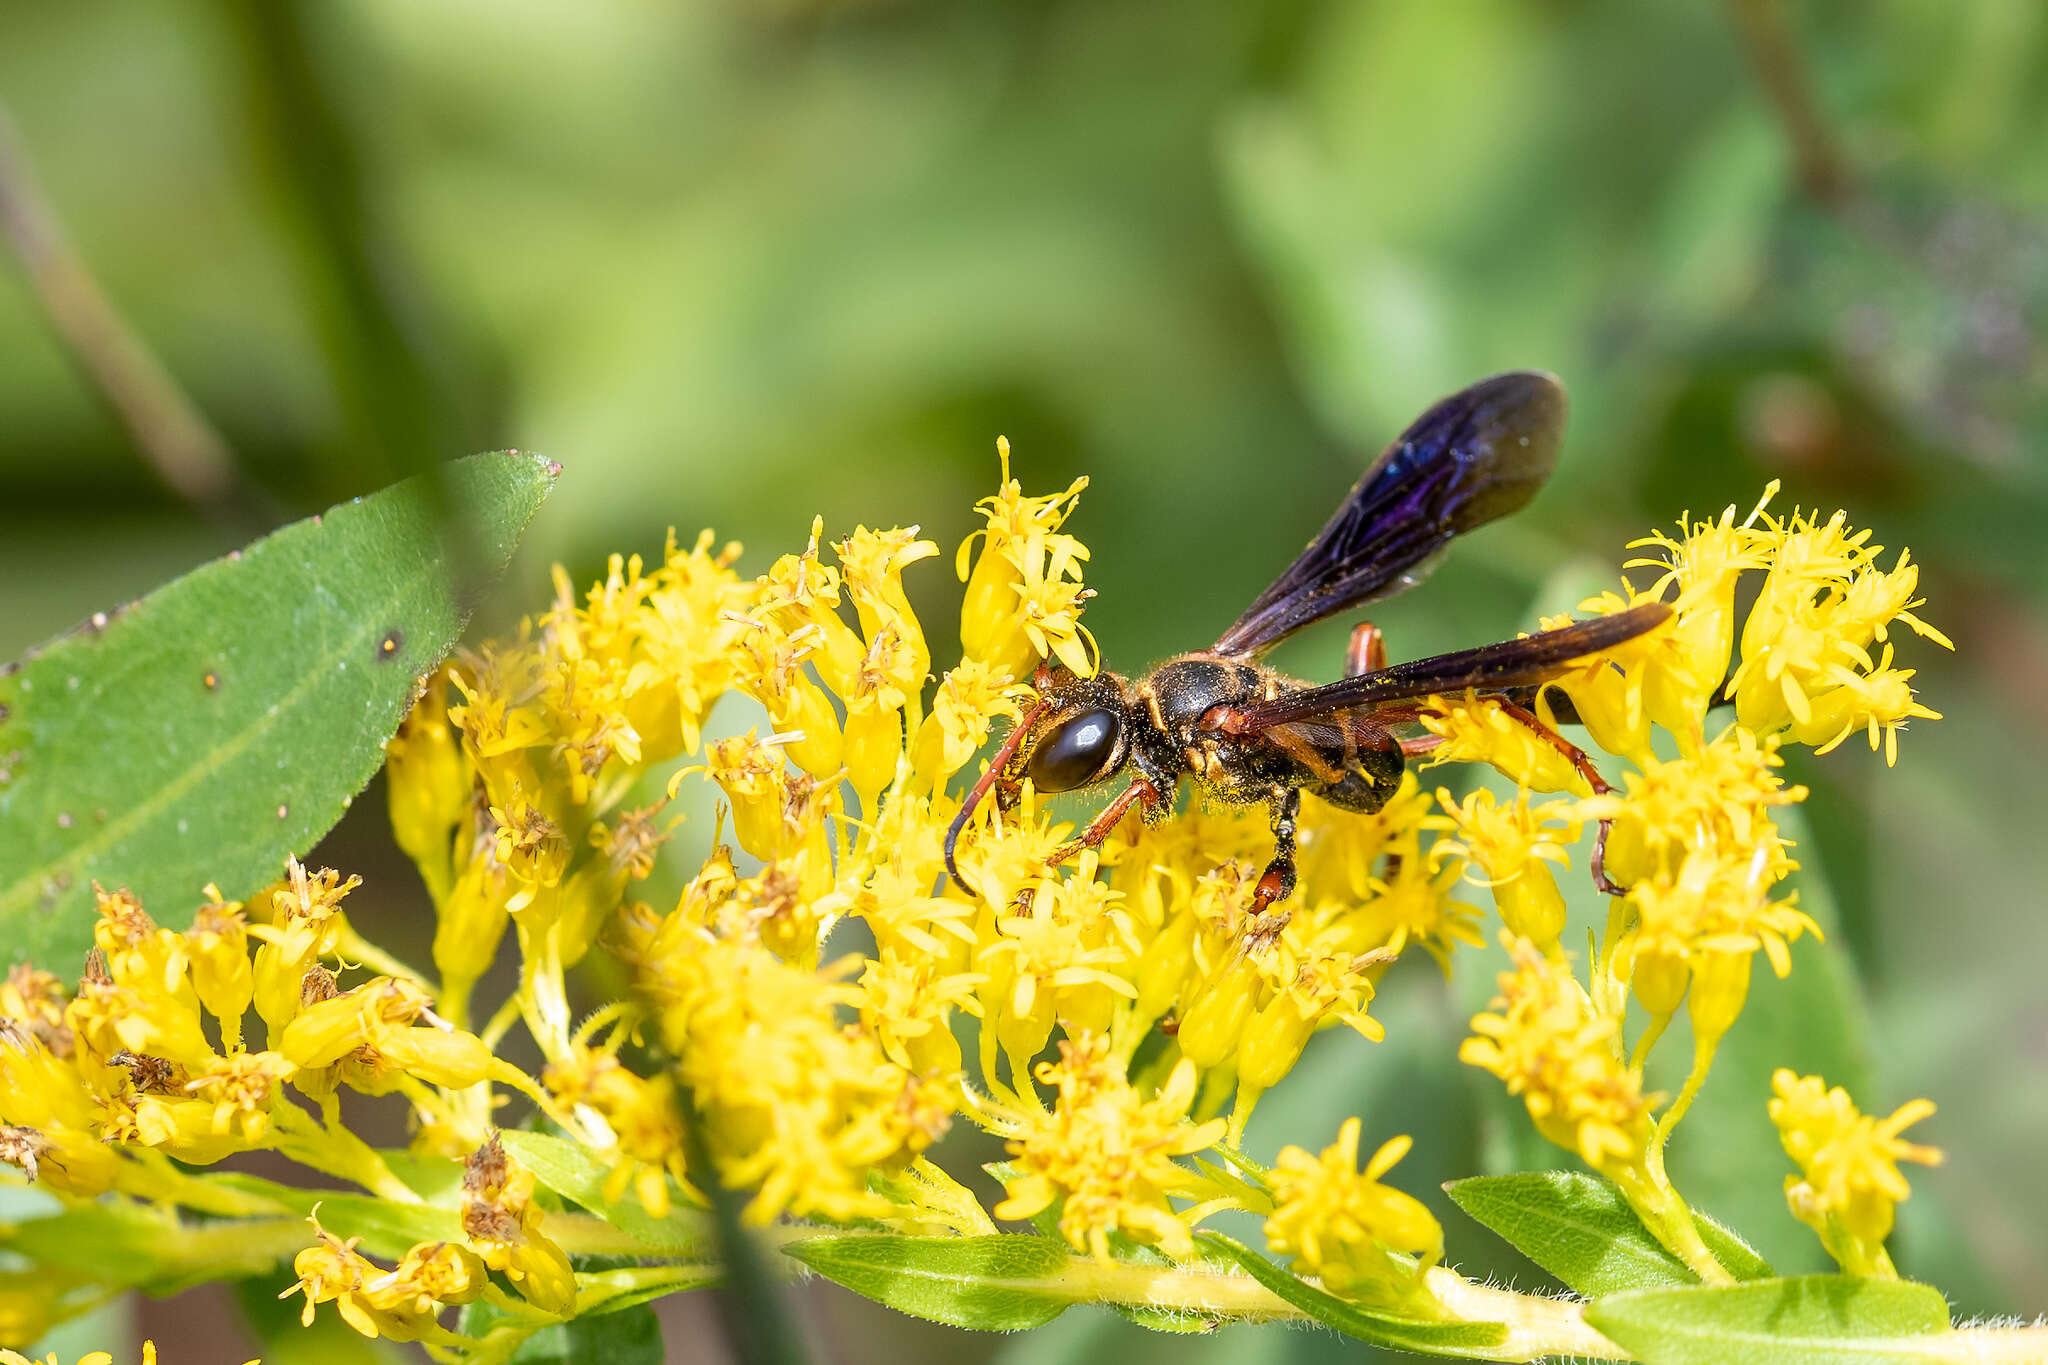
[[1368, 651], [1140, 790], [1278, 882], [1584, 764]]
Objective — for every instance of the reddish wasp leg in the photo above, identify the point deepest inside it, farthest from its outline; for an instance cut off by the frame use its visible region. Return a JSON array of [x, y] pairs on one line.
[[1277, 884], [992, 776], [1599, 784], [1099, 828], [1368, 651], [1420, 745]]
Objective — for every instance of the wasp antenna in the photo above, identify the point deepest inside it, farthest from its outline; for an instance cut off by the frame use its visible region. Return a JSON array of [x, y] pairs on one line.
[[997, 762]]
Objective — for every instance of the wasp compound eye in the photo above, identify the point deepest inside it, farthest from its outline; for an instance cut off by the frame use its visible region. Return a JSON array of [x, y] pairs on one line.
[[1075, 751]]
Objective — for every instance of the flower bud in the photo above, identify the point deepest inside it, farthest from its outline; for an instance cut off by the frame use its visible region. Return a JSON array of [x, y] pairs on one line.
[[1214, 1025]]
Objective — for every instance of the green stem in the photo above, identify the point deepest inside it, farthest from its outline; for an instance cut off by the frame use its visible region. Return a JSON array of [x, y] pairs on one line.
[[1669, 1221], [332, 1148], [156, 1177], [1702, 1060]]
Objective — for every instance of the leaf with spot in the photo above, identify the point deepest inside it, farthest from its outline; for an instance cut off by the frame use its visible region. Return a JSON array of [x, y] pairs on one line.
[[228, 718]]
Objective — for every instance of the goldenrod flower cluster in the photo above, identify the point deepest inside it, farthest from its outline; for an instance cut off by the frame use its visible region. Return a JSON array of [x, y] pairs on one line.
[[1127, 1006], [1687, 839], [1362, 1238], [1849, 1181]]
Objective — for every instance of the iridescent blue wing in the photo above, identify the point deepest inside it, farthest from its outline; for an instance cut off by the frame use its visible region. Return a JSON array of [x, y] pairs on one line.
[[1477, 455]]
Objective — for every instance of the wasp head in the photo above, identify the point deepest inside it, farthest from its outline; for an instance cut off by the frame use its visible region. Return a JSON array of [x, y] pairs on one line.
[[1075, 735]]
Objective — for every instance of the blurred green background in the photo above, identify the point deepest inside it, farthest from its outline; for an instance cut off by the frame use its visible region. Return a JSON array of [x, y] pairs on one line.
[[736, 263]]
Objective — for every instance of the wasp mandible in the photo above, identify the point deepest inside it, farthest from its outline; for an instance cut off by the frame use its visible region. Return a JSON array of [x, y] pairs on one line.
[[1245, 733]]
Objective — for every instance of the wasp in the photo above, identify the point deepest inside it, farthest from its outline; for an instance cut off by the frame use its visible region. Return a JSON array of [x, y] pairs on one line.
[[1245, 733]]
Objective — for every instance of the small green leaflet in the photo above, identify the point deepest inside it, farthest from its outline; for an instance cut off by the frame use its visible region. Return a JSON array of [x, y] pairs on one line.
[[574, 1172], [227, 719], [1580, 1229], [1804, 1320], [1003, 1283], [1473, 1340]]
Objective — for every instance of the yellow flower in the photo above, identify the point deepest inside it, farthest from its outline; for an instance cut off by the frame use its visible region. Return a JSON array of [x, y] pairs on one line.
[[303, 923], [218, 950], [1024, 593], [1363, 1239], [773, 673], [872, 563], [1319, 984], [90, 1358], [1551, 1048], [1704, 924], [1719, 796], [802, 595], [76, 1162], [908, 1004], [1806, 663], [333, 1271], [1109, 1153], [1511, 843], [969, 698], [428, 779], [1849, 1181], [1413, 904], [1480, 730], [799, 1107], [35, 999], [502, 1222], [430, 1277], [1066, 961], [642, 1115]]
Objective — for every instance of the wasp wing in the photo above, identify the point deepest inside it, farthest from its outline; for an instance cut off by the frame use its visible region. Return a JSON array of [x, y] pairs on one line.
[[1479, 454], [1490, 668]]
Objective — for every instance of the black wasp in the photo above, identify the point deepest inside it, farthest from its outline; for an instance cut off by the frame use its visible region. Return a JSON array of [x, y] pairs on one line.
[[1243, 732]]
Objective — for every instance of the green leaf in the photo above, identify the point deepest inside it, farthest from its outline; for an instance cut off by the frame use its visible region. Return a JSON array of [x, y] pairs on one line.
[[574, 1172], [134, 1245], [1804, 1320], [1476, 1340], [227, 719], [1580, 1229], [1004, 1283], [388, 1229]]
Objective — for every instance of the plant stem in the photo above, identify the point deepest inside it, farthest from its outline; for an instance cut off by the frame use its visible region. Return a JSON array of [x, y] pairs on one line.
[[1669, 1220], [1536, 1326], [169, 431], [1769, 44], [353, 947]]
